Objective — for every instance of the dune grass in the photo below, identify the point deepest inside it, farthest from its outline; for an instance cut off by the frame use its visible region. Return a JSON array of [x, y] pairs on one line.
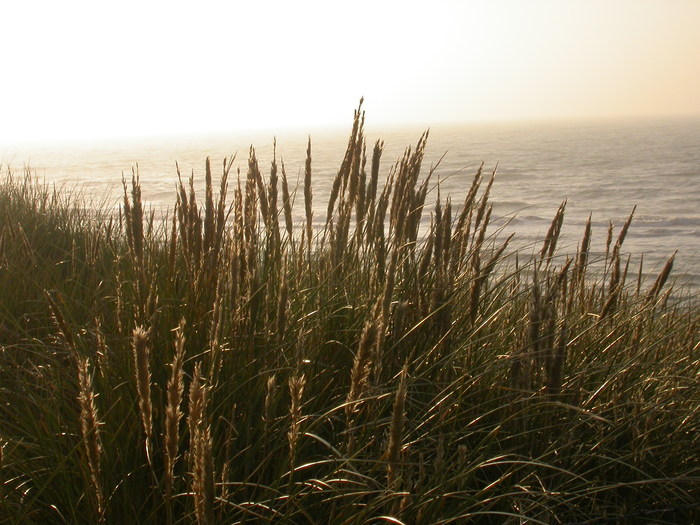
[[231, 364]]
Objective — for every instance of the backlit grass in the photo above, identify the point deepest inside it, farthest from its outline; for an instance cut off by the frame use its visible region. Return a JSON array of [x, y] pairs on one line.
[[230, 364]]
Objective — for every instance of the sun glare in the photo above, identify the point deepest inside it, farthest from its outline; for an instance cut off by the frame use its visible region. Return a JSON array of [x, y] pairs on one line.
[[83, 69]]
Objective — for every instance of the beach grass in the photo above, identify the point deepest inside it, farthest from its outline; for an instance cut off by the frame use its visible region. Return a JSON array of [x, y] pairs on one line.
[[402, 363]]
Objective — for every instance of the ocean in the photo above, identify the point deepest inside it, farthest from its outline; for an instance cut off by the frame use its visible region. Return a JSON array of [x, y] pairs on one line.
[[601, 168]]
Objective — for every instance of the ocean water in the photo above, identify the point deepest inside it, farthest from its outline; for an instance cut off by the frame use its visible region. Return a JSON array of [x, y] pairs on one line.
[[601, 168]]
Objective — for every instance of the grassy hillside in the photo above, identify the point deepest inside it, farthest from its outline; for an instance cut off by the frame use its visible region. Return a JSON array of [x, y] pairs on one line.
[[229, 364]]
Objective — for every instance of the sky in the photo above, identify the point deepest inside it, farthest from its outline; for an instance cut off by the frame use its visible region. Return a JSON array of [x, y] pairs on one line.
[[88, 69]]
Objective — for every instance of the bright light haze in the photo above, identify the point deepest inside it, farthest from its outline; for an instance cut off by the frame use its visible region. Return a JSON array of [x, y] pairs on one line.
[[87, 69]]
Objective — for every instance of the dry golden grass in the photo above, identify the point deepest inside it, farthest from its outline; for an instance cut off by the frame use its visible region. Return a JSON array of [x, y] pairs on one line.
[[431, 373]]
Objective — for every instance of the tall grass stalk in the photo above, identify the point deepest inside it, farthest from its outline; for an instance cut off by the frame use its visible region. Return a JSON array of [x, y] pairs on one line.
[[544, 386]]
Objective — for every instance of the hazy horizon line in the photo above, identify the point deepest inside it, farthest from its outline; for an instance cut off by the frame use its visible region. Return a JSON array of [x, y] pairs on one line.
[[373, 128]]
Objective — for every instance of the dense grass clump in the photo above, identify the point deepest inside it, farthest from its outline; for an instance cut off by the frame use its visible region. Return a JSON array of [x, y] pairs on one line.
[[231, 363]]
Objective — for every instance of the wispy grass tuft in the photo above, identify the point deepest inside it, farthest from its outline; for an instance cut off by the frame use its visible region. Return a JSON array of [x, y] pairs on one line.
[[399, 362]]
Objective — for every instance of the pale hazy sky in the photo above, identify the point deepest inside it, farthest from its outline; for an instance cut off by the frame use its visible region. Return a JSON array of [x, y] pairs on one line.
[[81, 69]]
